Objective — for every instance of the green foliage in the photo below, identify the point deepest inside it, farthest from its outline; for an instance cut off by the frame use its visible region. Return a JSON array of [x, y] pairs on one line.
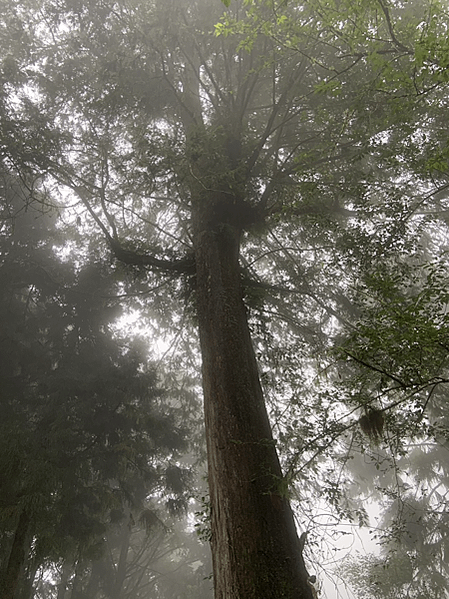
[[329, 118], [404, 325], [81, 413], [202, 527], [389, 578], [398, 359]]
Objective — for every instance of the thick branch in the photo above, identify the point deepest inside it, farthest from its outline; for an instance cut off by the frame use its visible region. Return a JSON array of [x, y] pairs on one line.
[[394, 39], [184, 265]]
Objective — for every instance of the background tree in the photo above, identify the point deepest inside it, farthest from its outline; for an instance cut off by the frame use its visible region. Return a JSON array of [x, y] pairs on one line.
[[391, 578], [399, 361], [85, 433], [147, 556]]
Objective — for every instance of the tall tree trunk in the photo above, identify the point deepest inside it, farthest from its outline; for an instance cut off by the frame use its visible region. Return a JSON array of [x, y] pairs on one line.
[[255, 547], [10, 582]]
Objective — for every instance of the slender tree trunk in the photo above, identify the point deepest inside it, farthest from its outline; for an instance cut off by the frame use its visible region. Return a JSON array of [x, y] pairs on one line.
[[92, 587], [10, 582], [120, 576], [67, 569], [255, 547], [77, 585]]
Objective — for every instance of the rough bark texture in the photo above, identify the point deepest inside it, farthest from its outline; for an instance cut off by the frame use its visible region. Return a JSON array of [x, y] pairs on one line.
[[255, 547]]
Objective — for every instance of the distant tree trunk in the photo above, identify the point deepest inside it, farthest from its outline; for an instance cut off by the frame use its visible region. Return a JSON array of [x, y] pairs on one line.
[[77, 585], [122, 562], [10, 582], [94, 579], [67, 569], [255, 547]]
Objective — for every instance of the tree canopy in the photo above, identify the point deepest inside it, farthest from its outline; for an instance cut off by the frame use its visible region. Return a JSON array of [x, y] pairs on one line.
[[272, 176]]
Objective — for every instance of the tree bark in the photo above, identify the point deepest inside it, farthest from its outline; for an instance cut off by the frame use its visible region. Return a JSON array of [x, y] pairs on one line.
[[255, 547], [10, 582]]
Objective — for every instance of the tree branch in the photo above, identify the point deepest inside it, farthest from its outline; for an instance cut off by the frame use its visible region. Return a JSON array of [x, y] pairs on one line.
[[394, 39], [185, 265]]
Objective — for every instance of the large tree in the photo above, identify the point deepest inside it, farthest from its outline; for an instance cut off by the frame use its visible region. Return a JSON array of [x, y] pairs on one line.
[[222, 155]]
